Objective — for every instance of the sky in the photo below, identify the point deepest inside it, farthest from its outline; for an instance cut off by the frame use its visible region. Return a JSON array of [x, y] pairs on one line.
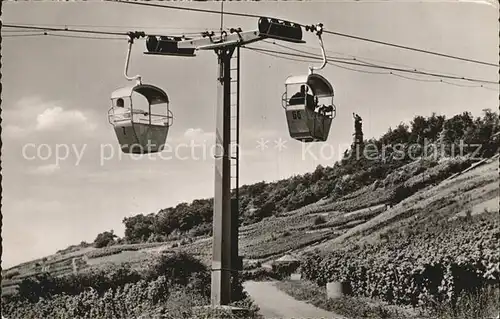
[[64, 177]]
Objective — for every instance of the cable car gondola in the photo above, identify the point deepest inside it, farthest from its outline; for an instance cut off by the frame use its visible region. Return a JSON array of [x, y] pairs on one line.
[[310, 111], [140, 131]]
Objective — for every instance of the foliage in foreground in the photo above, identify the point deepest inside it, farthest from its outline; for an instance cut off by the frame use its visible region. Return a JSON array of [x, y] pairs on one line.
[[155, 299], [483, 304], [180, 268], [168, 288]]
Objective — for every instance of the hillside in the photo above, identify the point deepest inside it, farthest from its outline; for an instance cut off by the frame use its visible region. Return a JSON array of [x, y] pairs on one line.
[[437, 250], [372, 208]]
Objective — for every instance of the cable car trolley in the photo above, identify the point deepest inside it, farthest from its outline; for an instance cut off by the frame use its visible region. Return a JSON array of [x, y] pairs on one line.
[[140, 131], [308, 103]]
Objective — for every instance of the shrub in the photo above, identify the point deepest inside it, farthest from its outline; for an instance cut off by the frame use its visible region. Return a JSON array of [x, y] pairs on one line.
[[285, 269], [176, 267]]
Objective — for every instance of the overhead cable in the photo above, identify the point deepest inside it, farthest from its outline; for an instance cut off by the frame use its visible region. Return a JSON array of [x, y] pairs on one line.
[[380, 73], [399, 46], [377, 66]]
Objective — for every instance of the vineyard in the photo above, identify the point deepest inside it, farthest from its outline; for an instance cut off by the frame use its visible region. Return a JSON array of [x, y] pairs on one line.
[[432, 262], [435, 249]]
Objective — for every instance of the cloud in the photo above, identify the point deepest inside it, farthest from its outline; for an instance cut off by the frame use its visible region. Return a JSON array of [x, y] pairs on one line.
[[198, 135], [46, 169], [56, 118], [33, 115]]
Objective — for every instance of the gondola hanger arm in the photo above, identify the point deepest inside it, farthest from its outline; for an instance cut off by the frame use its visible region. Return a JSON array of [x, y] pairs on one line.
[[319, 31], [137, 77]]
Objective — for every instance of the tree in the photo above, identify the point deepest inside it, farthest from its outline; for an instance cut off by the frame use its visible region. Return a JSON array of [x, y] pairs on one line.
[[486, 132], [400, 135], [435, 125], [138, 228], [457, 126], [426, 128], [419, 127], [105, 239]]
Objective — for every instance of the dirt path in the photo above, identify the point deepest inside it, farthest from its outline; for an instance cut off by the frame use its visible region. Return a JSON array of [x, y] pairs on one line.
[[275, 304]]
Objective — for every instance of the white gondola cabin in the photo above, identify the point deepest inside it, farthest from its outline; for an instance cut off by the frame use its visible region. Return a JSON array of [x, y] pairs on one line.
[[140, 130], [309, 108]]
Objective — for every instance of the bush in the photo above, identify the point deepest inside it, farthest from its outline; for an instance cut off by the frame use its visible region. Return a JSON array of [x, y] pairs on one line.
[[177, 267], [285, 269]]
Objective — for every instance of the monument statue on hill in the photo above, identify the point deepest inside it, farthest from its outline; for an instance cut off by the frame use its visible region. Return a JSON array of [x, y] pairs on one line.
[[358, 133]]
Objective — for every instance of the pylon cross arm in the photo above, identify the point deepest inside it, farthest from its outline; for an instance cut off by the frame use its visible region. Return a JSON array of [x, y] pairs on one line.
[[220, 41]]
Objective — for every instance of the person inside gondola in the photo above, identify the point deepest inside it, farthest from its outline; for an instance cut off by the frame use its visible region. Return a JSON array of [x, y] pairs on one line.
[[121, 111], [324, 110], [301, 97], [120, 103]]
